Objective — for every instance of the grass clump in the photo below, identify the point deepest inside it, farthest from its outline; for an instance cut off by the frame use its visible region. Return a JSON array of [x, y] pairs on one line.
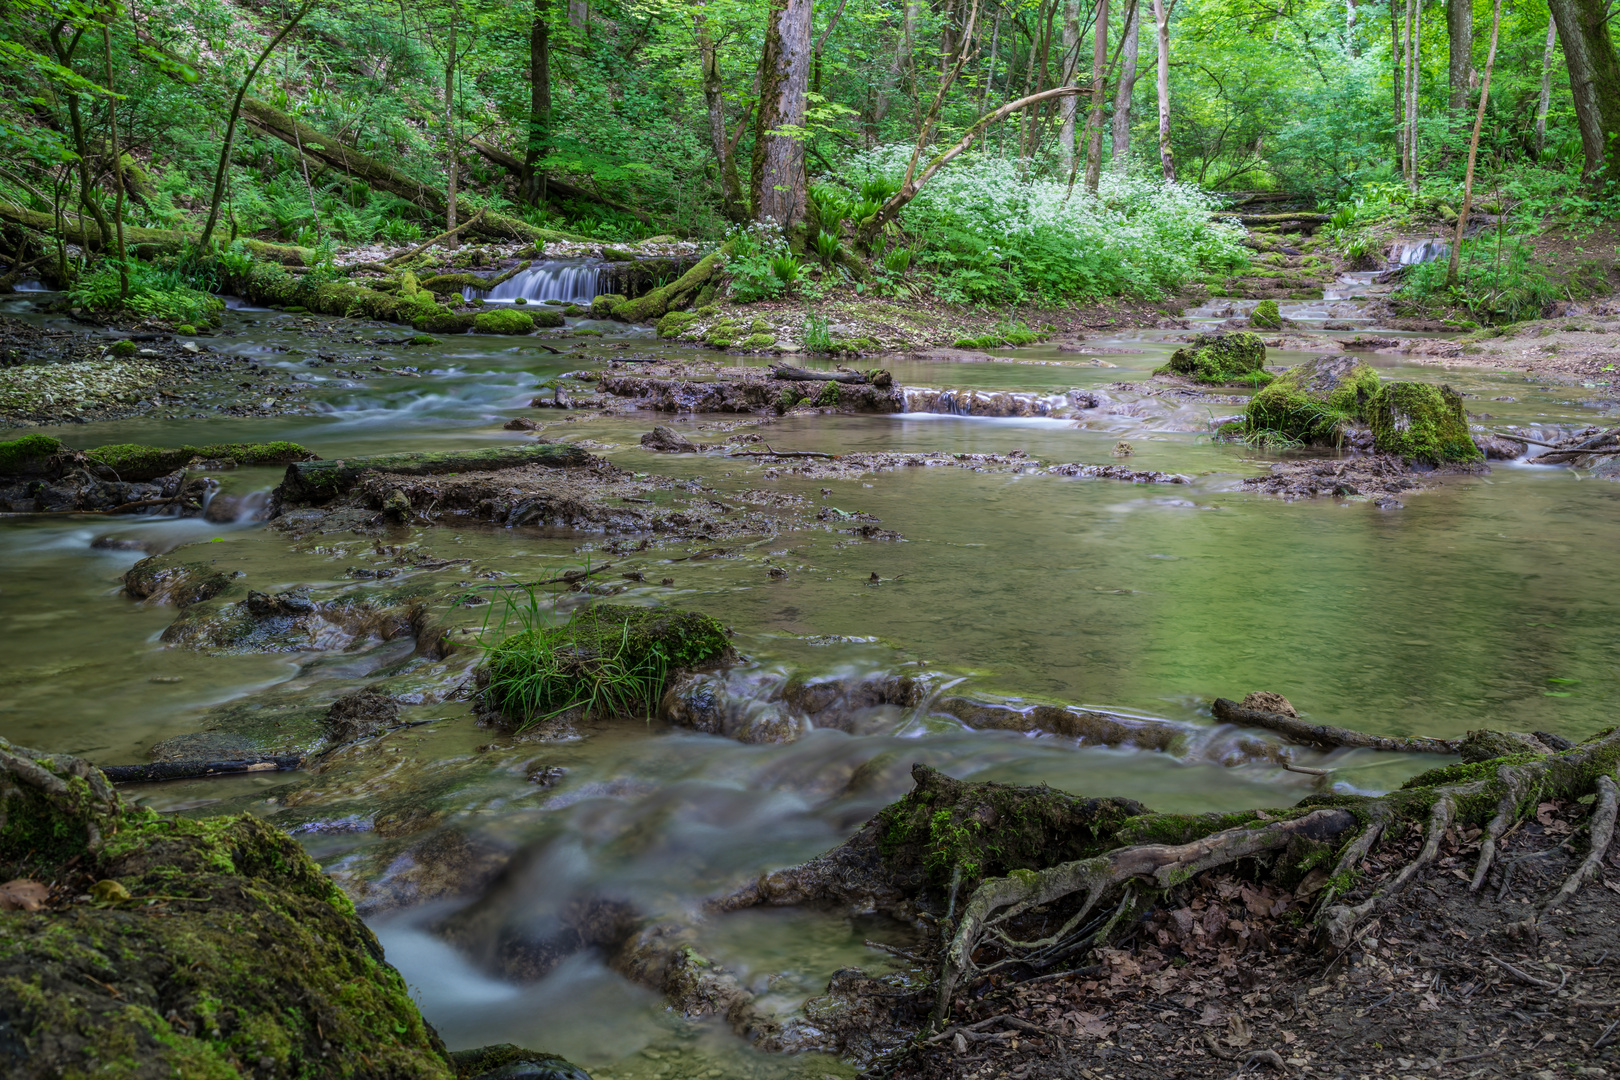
[[503, 321], [606, 659]]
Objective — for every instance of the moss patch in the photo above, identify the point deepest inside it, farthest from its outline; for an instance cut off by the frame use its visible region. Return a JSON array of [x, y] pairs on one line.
[[132, 461], [607, 659], [1266, 316], [18, 454], [1312, 402], [503, 321], [1222, 358], [1422, 422]]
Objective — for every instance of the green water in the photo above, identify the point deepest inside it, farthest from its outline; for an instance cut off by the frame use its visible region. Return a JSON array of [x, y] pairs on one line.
[[1486, 602]]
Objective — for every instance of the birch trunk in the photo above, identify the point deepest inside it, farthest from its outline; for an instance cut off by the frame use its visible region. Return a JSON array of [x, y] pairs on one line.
[[1071, 66], [1099, 98], [1161, 18], [1546, 87]]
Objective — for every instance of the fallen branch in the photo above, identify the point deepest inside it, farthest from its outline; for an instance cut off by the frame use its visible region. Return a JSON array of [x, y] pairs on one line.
[[190, 770], [768, 452], [317, 481], [1297, 730], [567, 577], [441, 238], [793, 374]]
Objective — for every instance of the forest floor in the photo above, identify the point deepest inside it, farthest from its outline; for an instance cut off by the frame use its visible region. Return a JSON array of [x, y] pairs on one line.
[[1442, 983]]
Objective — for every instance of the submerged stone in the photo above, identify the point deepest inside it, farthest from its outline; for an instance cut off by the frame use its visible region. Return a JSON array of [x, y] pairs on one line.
[[1422, 422], [1313, 402], [1221, 358]]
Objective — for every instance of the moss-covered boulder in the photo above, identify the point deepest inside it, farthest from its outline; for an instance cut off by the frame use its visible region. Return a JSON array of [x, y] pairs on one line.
[[1220, 358], [27, 454], [547, 319], [211, 948], [1266, 316], [674, 322], [503, 321], [607, 659], [1422, 422], [134, 462], [443, 321], [602, 307], [1313, 402]]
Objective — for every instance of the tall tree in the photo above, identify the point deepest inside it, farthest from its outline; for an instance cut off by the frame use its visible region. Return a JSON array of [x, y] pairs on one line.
[[451, 146], [539, 140], [1594, 82], [1099, 97], [1161, 19], [1473, 149], [1545, 100], [1125, 88], [1460, 67], [777, 182], [725, 155], [1070, 67]]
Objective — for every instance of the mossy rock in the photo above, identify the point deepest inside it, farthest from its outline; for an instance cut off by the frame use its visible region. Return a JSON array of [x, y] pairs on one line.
[[1313, 401], [674, 322], [602, 307], [251, 963], [504, 321], [124, 347], [1422, 422], [1266, 316], [574, 311], [607, 659], [828, 397], [759, 341], [618, 255], [504, 1060], [17, 455], [759, 326], [548, 319], [1220, 358], [445, 322], [135, 462], [422, 339], [186, 330], [787, 399]]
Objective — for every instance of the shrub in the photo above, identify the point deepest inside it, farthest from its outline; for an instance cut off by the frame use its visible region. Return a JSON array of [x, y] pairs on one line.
[[1498, 281], [154, 292]]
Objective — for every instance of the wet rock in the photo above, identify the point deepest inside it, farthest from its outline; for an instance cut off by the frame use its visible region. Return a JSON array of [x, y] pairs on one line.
[[1118, 472], [1266, 701], [1422, 422], [750, 391], [361, 715], [1313, 402], [1484, 745], [666, 440], [1221, 358], [1377, 476], [1499, 447], [228, 976], [292, 622], [504, 1061], [520, 423], [182, 584]]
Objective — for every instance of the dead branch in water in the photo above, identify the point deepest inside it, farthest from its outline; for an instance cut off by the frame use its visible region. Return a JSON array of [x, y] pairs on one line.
[[768, 452], [1296, 730]]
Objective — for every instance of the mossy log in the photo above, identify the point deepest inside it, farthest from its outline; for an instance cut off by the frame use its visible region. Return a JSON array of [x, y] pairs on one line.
[[793, 374], [678, 294], [145, 242], [1303, 217], [318, 481], [1048, 876], [132, 461], [454, 283], [332, 152]]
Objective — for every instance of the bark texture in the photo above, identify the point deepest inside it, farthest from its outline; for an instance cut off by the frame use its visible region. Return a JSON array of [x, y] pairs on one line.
[[1125, 89], [778, 180], [1161, 17], [1460, 35], [1594, 81]]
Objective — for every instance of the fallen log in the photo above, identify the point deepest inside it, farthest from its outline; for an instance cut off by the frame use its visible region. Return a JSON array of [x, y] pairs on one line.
[[678, 294], [144, 242], [454, 283], [441, 238], [1280, 219], [793, 374], [318, 481], [562, 188], [191, 770], [1299, 731]]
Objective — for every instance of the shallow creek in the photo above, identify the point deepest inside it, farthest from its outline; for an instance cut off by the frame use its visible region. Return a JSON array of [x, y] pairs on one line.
[[1487, 602]]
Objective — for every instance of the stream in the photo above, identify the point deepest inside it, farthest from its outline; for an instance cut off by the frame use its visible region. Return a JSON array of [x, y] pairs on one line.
[[1487, 602]]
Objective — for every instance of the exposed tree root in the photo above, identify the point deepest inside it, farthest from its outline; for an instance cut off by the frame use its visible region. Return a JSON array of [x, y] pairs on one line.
[[1603, 815]]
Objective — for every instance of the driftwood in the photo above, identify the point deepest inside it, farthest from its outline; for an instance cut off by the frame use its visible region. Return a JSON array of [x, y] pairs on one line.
[[317, 481], [1296, 730], [793, 374], [768, 452], [1602, 444], [190, 770]]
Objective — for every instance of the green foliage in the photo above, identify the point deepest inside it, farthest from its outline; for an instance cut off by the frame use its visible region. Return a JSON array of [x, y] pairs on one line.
[[154, 292], [1499, 281], [606, 659], [826, 247], [817, 338]]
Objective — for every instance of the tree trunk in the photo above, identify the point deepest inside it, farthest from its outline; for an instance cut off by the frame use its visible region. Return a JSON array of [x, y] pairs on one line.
[[1161, 17], [1546, 87], [579, 15], [1594, 81], [1460, 33], [1099, 98], [1397, 84], [1070, 68], [450, 133], [1126, 90], [1473, 149], [118, 168], [230, 126], [64, 56], [1411, 72], [778, 179], [533, 179], [731, 196]]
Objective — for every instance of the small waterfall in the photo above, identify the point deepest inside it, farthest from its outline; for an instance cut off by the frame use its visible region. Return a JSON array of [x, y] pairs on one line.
[[573, 281], [1408, 252], [32, 286]]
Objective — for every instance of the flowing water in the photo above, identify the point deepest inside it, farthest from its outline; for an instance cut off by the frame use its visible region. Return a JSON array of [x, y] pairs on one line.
[[1485, 603]]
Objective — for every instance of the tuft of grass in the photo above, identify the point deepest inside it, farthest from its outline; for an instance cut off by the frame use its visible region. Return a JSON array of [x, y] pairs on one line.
[[605, 659], [817, 338]]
